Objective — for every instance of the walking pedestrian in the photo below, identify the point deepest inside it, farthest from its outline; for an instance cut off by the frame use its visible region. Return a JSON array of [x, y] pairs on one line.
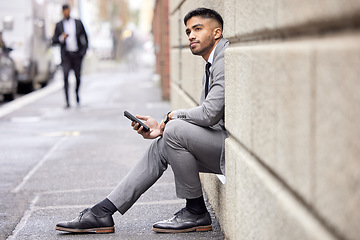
[[70, 34]]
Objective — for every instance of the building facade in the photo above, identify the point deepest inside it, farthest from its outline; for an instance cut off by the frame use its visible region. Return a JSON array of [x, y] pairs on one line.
[[292, 111], [160, 29]]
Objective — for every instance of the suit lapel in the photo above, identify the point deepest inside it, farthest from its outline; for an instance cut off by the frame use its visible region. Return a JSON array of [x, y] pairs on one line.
[[62, 26], [77, 28], [219, 48], [221, 44]]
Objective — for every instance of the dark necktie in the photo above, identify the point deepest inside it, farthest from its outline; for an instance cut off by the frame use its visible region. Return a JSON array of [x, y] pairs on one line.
[[207, 74]]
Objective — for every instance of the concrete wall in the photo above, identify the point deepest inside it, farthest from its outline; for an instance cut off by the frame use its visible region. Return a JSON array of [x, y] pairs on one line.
[[293, 113]]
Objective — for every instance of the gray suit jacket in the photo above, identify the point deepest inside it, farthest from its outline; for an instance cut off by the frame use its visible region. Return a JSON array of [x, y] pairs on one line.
[[210, 112]]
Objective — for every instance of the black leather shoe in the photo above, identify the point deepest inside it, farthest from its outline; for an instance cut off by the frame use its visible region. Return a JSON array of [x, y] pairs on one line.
[[78, 99], [184, 221], [87, 222]]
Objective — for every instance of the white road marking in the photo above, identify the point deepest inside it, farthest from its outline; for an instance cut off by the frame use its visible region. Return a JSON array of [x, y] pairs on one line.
[[37, 166], [24, 219]]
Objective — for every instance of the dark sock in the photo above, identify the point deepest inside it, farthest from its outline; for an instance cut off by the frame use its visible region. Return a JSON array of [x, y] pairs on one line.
[[103, 208], [196, 205]]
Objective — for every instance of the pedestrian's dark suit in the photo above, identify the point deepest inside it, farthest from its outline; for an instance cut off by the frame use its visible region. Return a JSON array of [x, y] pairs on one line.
[[71, 60]]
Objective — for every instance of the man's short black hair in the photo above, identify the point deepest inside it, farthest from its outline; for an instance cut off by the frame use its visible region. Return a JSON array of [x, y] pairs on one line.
[[65, 6], [205, 13]]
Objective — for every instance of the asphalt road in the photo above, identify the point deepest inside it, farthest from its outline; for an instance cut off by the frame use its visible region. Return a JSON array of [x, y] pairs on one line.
[[55, 161]]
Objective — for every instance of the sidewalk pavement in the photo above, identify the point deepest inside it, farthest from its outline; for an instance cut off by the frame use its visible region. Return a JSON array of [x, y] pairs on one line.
[[92, 148]]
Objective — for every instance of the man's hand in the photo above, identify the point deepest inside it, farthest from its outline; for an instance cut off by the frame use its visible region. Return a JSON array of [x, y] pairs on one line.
[[64, 35], [155, 130]]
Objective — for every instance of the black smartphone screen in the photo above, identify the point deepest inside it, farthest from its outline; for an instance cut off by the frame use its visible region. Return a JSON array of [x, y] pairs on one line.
[[134, 119]]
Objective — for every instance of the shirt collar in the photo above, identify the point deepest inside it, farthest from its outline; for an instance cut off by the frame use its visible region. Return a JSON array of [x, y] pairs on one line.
[[211, 57]]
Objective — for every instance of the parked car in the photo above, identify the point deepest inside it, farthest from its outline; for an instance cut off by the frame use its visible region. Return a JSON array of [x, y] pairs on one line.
[[24, 31], [8, 81]]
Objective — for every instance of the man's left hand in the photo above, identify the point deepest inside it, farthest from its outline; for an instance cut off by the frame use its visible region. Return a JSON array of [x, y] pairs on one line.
[[155, 130]]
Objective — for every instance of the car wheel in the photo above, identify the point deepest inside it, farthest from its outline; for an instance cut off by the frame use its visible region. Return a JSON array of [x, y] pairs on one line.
[[9, 96]]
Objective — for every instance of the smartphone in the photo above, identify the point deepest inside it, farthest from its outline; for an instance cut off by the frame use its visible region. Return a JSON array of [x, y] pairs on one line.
[[134, 119]]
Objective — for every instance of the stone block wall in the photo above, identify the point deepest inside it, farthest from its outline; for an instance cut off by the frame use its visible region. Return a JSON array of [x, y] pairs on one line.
[[292, 74]]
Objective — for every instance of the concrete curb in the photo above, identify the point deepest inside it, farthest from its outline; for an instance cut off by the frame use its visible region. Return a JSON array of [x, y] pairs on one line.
[[29, 98]]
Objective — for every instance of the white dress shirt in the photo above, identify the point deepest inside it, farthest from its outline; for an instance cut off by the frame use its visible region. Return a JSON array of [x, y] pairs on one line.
[[70, 29]]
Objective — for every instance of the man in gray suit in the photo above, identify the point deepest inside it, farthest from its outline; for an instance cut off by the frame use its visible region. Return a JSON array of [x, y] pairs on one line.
[[190, 140]]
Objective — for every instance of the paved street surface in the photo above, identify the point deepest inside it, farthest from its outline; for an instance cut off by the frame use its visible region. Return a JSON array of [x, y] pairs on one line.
[[55, 162]]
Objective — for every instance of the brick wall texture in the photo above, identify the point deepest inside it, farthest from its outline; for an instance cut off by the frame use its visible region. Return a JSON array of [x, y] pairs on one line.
[[292, 74]]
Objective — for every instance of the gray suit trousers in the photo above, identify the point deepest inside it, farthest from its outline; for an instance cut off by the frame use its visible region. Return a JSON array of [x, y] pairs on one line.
[[188, 148]]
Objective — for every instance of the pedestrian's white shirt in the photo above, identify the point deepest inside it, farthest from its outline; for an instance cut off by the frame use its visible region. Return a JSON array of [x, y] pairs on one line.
[[70, 29]]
